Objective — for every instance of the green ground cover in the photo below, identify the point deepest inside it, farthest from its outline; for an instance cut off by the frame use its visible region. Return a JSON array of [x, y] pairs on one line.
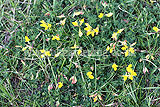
[[80, 53]]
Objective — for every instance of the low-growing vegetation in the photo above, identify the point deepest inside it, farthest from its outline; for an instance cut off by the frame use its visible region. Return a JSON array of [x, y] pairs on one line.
[[80, 53]]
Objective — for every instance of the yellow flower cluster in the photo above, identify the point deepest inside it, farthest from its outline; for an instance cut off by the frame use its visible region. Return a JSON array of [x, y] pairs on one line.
[[130, 73], [80, 23], [90, 30], [62, 22], [60, 84], [156, 29], [111, 48], [89, 74], [24, 48], [79, 51], [100, 15], [114, 66], [114, 35], [45, 53], [74, 47], [108, 15], [56, 38], [27, 39], [149, 56], [45, 25], [96, 97], [127, 50]]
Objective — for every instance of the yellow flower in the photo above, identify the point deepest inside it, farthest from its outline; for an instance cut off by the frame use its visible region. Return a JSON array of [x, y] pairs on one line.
[[152, 1], [42, 21], [92, 33], [88, 28], [60, 84], [47, 53], [114, 66], [42, 56], [128, 50], [152, 57], [74, 47], [96, 30], [81, 21], [88, 25], [95, 98], [100, 15], [42, 51], [80, 32], [62, 22], [55, 38], [130, 77], [119, 31], [89, 74], [131, 50], [126, 53], [75, 23], [89, 32], [133, 73], [57, 55], [155, 29], [109, 14], [114, 36], [111, 50], [107, 48], [124, 47], [79, 51], [130, 65], [45, 25], [24, 48], [27, 39], [124, 77], [129, 69], [49, 25]]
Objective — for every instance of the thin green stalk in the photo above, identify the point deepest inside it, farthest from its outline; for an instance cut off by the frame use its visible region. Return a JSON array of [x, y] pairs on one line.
[[52, 71]]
